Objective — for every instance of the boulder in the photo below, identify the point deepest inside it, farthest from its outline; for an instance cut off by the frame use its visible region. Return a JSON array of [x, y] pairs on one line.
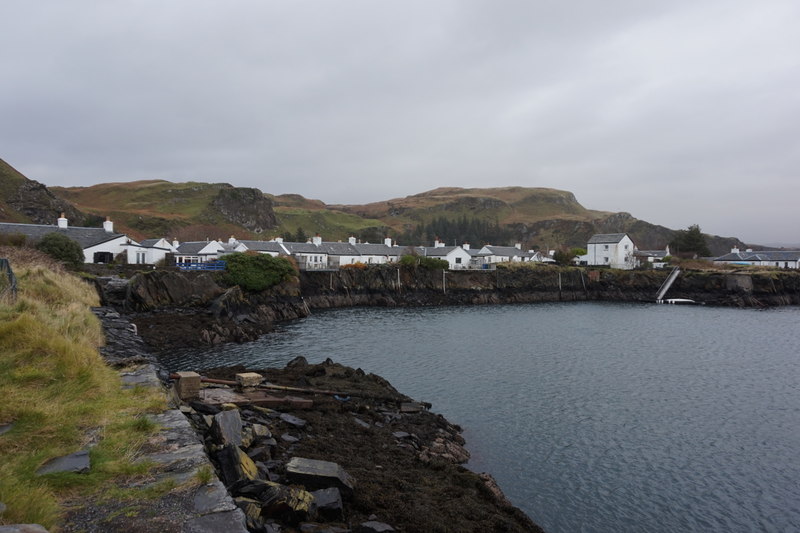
[[23, 528], [235, 465], [373, 526], [328, 503], [315, 475], [227, 428]]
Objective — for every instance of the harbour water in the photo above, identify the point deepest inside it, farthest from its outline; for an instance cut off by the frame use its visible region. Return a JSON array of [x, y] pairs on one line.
[[592, 416]]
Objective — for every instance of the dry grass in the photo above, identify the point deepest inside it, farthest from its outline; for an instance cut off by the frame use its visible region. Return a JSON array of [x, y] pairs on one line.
[[58, 392]]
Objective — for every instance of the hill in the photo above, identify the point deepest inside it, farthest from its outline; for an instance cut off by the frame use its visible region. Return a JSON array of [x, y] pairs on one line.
[[536, 217]]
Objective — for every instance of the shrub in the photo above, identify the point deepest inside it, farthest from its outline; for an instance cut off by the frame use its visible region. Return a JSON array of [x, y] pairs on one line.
[[12, 239], [430, 263], [61, 248], [355, 266], [256, 272]]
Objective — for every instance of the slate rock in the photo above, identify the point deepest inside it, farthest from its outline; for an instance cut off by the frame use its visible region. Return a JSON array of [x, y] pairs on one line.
[[235, 465], [373, 527], [229, 522], [204, 408], [315, 475], [328, 503], [288, 438], [227, 428], [293, 420], [5, 428], [23, 528], [77, 462], [290, 504], [361, 423], [212, 498]]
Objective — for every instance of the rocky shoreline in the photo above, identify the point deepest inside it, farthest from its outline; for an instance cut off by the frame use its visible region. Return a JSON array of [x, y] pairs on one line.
[[397, 466], [193, 309]]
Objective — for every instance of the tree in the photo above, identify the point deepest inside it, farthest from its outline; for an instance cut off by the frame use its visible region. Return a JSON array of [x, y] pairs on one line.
[[61, 248], [690, 242], [300, 236], [565, 256]]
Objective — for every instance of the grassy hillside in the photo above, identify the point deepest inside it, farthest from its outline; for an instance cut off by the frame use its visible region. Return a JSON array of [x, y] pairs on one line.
[[59, 394]]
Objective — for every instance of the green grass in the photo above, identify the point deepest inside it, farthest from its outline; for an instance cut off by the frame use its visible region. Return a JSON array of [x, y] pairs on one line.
[[58, 393]]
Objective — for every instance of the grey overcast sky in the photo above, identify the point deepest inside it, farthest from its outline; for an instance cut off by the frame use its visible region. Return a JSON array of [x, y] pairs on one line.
[[679, 112]]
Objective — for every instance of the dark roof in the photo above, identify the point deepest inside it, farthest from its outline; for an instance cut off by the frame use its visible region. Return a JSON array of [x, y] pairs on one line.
[[438, 251], [264, 246], [303, 248], [607, 238], [377, 249], [507, 251], [339, 248], [764, 255], [194, 247], [660, 254], [86, 237]]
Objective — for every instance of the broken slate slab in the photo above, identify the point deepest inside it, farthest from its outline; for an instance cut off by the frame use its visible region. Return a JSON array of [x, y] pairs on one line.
[[77, 462], [373, 527], [227, 427], [213, 498], [361, 423], [23, 528], [293, 420], [289, 438], [315, 475], [328, 503], [229, 522]]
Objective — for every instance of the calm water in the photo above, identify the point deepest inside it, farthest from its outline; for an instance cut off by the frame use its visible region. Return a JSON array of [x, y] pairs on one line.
[[593, 417]]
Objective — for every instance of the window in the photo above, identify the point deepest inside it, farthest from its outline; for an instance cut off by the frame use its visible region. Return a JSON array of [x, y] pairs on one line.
[[140, 257], [605, 259], [605, 247], [626, 246], [458, 260]]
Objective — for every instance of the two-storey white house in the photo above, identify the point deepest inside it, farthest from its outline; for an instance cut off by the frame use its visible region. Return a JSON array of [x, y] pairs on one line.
[[614, 250]]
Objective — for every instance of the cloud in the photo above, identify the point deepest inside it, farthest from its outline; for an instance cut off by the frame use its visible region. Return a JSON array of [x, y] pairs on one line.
[[677, 112]]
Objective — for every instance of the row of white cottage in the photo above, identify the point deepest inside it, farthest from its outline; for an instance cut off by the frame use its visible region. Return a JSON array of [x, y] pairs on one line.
[[614, 250], [317, 254]]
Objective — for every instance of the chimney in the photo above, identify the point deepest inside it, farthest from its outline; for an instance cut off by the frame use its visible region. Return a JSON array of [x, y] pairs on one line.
[[518, 246], [749, 250], [465, 246], [437, 243], [175, 243], [279, 239], [108, 225], [735, 250], [351, 240], [62, 221], [232, 240], [316, 240], [387, 242]]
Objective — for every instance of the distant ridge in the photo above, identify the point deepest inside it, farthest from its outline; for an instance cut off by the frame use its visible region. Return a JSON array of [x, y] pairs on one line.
[[536, 217]]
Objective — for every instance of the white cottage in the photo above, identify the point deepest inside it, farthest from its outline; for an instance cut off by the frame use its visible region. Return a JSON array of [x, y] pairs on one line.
[[100, 245], [615, 250]]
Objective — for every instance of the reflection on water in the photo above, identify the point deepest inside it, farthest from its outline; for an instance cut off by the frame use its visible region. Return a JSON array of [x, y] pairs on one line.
[[593, 417]]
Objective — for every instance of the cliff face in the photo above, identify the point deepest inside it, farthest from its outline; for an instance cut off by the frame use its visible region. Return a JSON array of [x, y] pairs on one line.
[[192, 309]]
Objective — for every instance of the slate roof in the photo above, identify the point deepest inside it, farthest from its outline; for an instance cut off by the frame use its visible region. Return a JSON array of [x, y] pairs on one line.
[[606, 238], [659, 254], [378, 249], [264, 246], [765, 255], [303, 248], [191, 248], [507, 251], [86, 237], [437, 251], [339, 248]]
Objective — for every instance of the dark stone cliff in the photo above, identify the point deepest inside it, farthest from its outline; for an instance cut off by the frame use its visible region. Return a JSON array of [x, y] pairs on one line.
[[195, 309]]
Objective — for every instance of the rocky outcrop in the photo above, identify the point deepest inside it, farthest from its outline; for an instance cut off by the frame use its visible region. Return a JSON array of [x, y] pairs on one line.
[[36, 202], [246, 207]]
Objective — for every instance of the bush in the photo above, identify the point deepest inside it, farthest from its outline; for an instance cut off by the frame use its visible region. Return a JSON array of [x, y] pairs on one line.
[[61, 248], [430, 263], [12, 239], [355, 266], [256, 272]]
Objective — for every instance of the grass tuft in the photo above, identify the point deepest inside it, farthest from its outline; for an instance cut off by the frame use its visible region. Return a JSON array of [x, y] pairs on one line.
[[60, 395]]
